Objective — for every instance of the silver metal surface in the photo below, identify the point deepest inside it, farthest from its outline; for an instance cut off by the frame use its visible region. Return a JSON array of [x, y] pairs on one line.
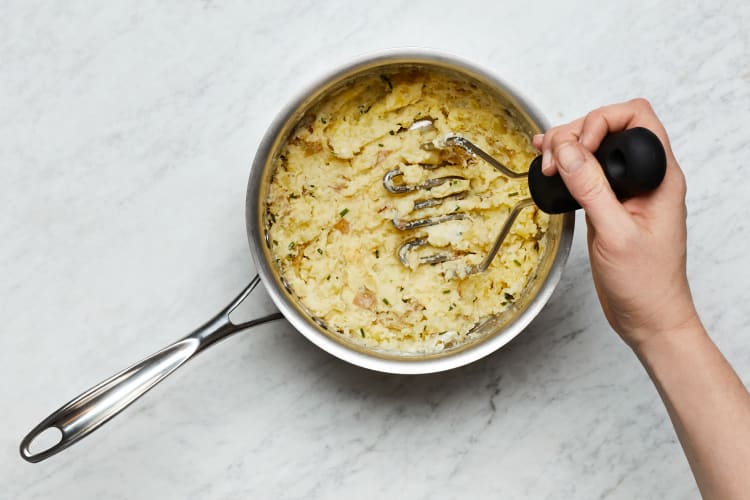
[[492, 333], [86, 413], [396, 188], [404, 225], [414, 243], [408, 225], [473, 149], [500, 237], [390, 184]]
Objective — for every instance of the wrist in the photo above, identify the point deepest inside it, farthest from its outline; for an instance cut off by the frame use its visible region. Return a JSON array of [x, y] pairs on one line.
[[687, 330], [662, 315]]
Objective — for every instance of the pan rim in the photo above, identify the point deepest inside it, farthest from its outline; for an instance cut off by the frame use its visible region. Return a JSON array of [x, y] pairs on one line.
[[363, 357]]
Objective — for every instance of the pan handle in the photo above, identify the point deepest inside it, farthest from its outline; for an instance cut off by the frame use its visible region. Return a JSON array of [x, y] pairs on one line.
[[84, 414]]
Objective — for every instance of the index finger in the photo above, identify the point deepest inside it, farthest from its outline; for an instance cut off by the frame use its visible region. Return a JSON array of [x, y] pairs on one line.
[[616, 117]]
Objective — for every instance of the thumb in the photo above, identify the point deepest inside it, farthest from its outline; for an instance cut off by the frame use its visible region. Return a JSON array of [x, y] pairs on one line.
[[585, 179]]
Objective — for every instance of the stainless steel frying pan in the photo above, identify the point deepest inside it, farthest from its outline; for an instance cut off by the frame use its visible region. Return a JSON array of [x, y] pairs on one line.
[[87, 412]]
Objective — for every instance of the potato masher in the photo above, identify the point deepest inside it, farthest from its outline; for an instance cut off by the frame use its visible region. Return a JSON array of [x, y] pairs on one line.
[[633, 161]]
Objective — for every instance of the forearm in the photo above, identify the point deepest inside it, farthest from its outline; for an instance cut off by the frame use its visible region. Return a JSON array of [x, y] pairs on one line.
[[637, 249], [708, 405]]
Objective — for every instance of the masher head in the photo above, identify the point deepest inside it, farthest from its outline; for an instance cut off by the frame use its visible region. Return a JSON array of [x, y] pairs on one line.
[[409, 247]]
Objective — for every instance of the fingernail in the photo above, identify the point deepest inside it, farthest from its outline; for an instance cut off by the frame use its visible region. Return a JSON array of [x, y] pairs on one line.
[[569, 157], [546, 160], [537, 138]]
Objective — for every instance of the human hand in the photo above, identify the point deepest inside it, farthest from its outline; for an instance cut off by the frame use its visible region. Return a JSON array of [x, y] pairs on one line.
[[637, 248]]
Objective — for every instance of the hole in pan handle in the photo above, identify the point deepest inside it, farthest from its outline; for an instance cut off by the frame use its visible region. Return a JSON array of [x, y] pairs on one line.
[[86, 413], [633, 160]]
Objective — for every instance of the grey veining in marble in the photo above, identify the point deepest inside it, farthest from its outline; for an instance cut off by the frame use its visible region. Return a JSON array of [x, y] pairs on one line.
[[126, 133]]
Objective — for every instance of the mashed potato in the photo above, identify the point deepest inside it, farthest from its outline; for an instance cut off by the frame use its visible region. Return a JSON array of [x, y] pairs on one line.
[[330, 218]]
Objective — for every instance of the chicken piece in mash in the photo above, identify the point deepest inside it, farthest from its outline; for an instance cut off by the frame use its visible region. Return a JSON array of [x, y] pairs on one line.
[[330, 218]]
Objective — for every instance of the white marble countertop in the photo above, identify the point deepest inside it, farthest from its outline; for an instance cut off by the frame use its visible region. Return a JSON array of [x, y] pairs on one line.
[[125, 141]]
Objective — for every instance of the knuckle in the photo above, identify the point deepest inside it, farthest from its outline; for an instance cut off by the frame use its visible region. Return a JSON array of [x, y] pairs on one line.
[[618, 243], [595, 127], [596, 119], [676, 183], [682, 185], [547, 139], [552, 132], [595, 115], [563, 139], [642, 104], [557, 136]]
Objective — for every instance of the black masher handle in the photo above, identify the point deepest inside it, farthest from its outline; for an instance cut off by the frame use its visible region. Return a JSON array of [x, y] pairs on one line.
[[633, 160]]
